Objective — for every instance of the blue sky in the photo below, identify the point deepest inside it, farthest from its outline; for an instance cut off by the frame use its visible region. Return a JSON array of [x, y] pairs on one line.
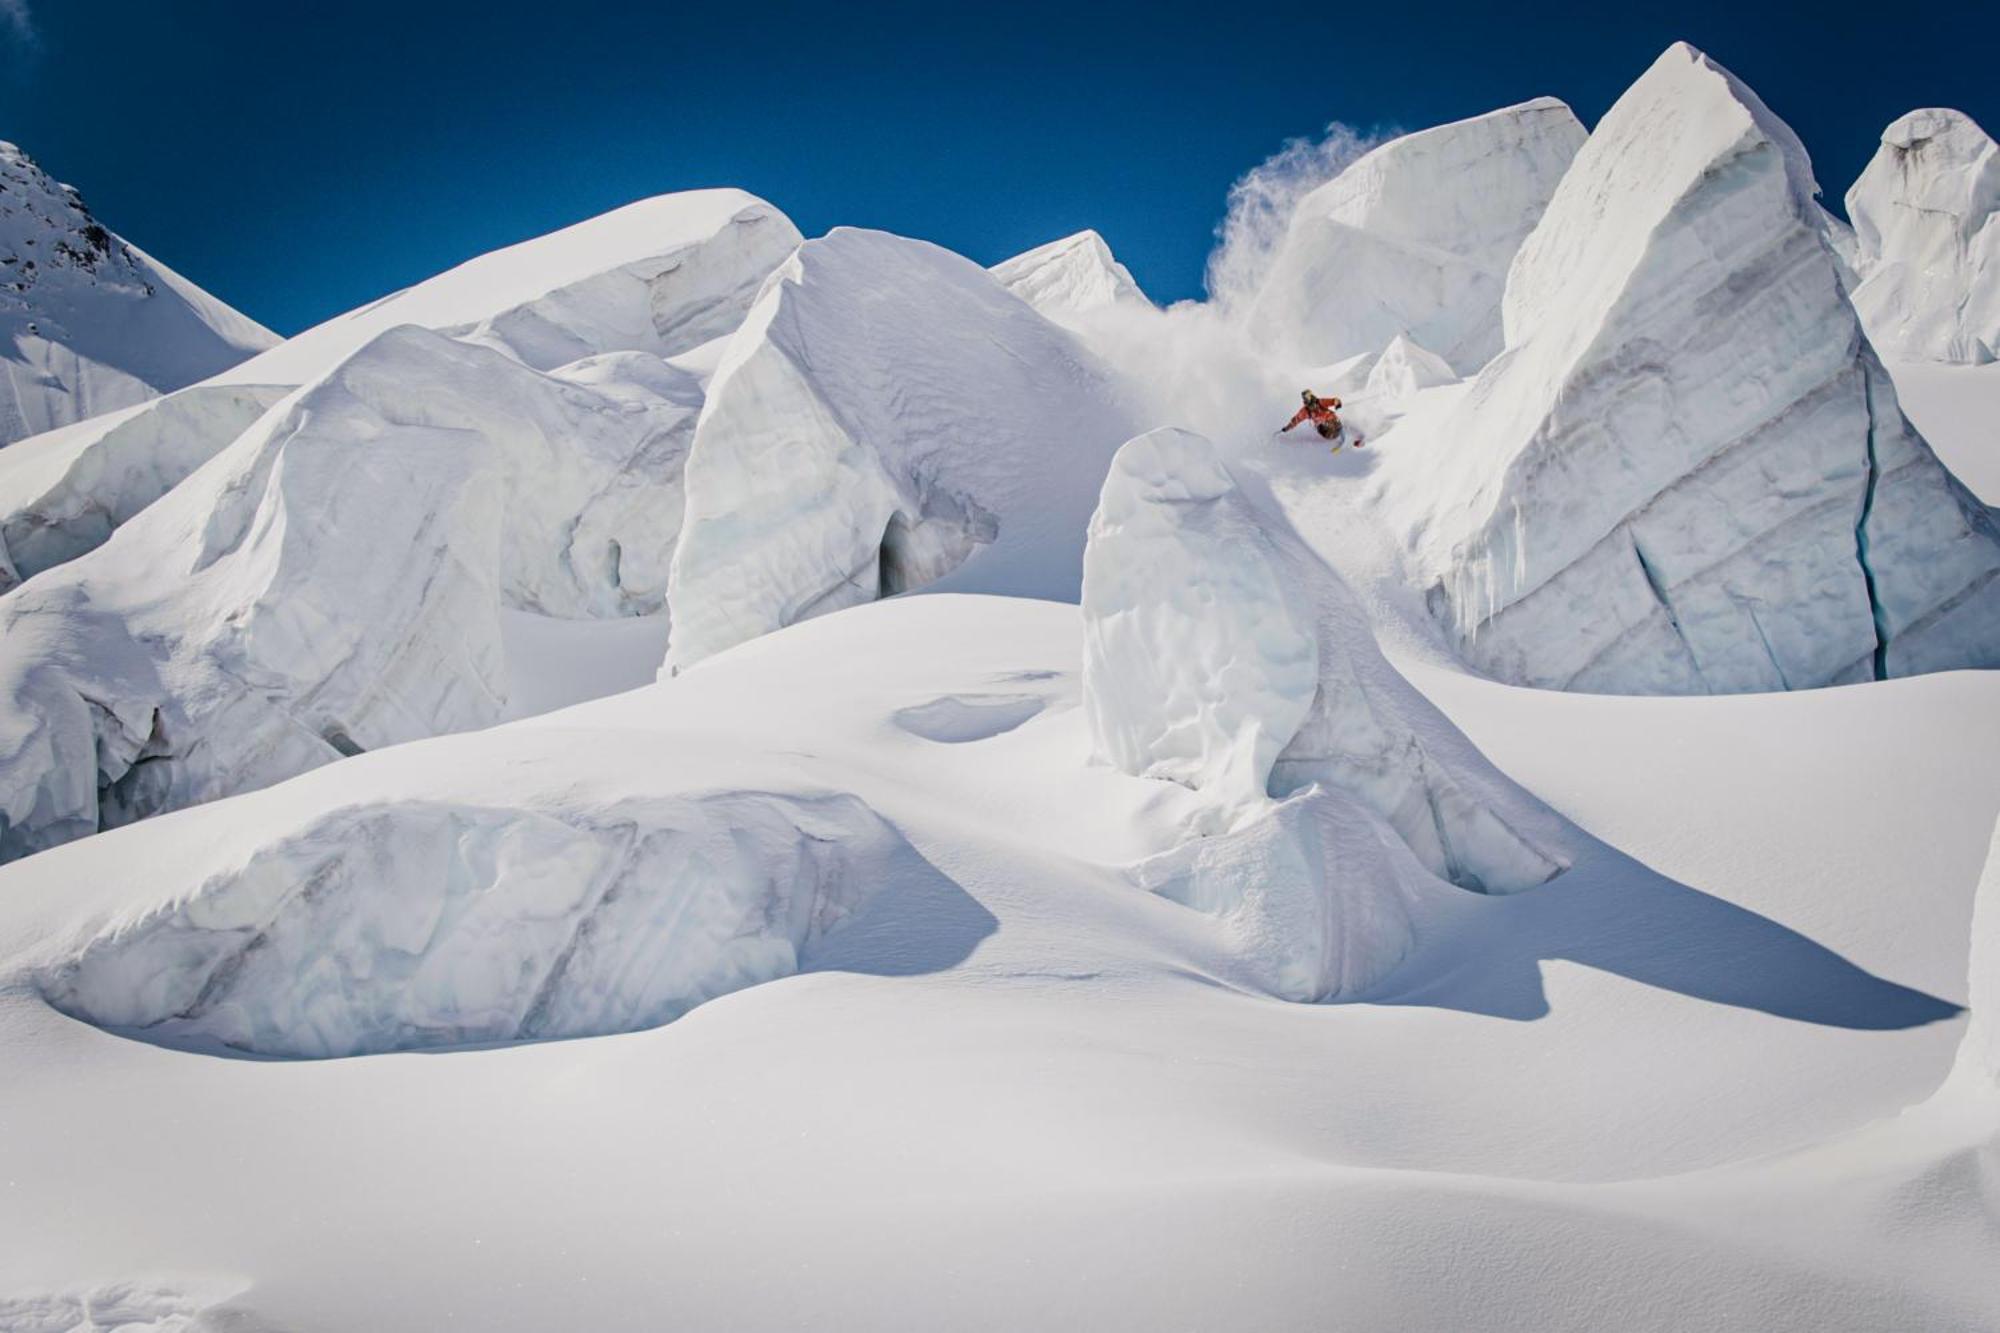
[[302, 158]]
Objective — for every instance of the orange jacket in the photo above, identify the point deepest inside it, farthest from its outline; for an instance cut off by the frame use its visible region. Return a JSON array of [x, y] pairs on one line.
[[1318, 410]]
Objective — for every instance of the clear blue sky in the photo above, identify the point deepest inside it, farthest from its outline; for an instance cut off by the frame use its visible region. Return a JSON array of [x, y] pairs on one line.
[[301, 158]]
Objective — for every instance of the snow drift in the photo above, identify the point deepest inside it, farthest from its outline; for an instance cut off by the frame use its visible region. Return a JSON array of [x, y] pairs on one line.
[[424, 925], [1978, 1064], [90, 323], [1221, 654], [886, 414], [1687, 472], [1926, 216], [1070, 278], [62, 492], [1415, 238], [333, 581]]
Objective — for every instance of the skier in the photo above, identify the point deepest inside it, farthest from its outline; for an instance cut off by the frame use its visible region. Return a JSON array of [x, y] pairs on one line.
[[1320, 412]]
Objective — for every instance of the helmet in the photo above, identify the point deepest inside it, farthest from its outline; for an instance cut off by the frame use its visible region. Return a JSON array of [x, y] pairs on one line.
[[1306, 395]]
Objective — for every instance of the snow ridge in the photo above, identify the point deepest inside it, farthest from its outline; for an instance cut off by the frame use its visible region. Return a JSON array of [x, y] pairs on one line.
[[90, 323]]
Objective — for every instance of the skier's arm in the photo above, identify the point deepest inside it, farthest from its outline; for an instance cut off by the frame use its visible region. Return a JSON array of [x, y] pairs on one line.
[[1297, 417]]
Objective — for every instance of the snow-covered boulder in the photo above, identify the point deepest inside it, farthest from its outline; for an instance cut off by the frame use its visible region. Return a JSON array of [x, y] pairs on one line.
[[63, 491], [435, 924], [886, 414], [89, 323], [1405, 369], [1415, 238], [1926, 215], [1070, 278], [1688, 472], [334, 580], [1221, 654]]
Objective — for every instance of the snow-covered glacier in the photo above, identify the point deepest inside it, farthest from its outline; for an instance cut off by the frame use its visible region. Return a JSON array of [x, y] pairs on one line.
[[1687, 472], [1221, 654], [89, 323], [887, 414], [1071, 278], [63, 491], [660, 277], [392, 927], [1415, 238], [1926, 215], [333, 580]]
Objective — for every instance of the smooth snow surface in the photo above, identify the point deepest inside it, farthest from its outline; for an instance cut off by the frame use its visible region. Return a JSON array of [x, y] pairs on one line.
[[887, 414], [1415, 238], [88, 322], [1035, 1074], [1688, 472], [1223, 655], [1071, 277], [1926, 215]]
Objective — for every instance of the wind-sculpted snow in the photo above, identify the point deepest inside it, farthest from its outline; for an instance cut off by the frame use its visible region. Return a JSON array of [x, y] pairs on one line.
[[1415, 238], [1926, 215], [62, 492], [1688, 473], [1071, 277], [334, 580], [887, 413], [1221, 654], [88, 322], [423, 925]]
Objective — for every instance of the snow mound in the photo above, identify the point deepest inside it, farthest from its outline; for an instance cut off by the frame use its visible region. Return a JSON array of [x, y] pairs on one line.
[[88, 322], [887, 413], [1318, 897], [1221, 654], [1688, 472], [1071, 277], [430, 924], [1926, 217], [663, 275], [62, 492], [1415, 238], [334, 580]]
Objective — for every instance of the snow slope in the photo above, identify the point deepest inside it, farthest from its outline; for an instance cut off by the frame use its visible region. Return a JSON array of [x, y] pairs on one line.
[[1070, 278], [1688, 472], [1415, 238], [1015, 1087], [1926, 215], [887, 415], [88, 322]]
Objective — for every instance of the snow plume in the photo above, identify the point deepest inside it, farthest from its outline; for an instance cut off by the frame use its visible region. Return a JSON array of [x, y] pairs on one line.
[[1262, 200], [18, 21]]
